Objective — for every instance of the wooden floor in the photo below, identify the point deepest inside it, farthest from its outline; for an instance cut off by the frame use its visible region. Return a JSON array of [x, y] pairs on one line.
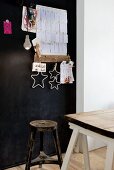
[[97, 158]]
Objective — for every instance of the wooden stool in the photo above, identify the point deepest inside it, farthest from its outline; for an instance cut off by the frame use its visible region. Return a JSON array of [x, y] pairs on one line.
[[43, 126]]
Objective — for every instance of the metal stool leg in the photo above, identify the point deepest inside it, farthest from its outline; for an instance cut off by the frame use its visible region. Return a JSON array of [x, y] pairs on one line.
[[30, 148], [57, 144], [41, 140], [41, 147]]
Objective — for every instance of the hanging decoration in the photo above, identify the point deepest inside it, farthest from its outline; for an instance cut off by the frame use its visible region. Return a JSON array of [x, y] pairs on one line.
[[54, 76], [7, 27], [38, 79], [27, 44], [66, 73], [54, 83], [54, 73]]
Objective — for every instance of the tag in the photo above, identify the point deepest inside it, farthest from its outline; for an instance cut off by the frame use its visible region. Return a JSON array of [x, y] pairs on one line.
[[7, 27], [39, 67]]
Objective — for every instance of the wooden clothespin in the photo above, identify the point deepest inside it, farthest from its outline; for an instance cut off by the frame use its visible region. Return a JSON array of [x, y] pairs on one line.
[[37, 50]]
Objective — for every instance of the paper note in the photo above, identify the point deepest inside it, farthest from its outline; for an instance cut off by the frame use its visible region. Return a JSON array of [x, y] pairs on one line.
[[40, 67], [7, 27], [52, 30]]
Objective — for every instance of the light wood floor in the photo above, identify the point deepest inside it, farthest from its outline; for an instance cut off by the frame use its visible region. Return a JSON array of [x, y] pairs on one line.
[[97, 159]]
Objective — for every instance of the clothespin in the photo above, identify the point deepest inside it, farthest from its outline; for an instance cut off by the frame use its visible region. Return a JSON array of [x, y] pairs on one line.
[[37, 49]]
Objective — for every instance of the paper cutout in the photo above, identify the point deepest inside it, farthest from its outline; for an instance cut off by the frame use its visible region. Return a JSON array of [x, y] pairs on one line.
[[7, 27]]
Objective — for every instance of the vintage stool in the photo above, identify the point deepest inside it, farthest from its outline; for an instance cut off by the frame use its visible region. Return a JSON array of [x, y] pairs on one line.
[[43, 126]]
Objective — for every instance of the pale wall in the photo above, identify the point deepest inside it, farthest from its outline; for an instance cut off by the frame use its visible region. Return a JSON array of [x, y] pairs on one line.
[[95, 65]]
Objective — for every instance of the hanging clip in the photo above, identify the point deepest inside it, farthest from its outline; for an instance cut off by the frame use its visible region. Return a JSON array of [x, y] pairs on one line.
[[7, 20], [55, 66]]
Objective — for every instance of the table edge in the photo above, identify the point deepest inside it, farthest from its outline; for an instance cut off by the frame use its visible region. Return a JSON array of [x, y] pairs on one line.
[[90, 127]]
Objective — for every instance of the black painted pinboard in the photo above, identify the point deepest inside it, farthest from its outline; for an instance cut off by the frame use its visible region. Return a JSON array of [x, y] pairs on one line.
[[19, 103]]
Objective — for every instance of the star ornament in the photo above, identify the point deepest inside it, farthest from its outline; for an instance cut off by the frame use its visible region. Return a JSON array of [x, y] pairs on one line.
[[54, 84], [38, 79], [54, 73]]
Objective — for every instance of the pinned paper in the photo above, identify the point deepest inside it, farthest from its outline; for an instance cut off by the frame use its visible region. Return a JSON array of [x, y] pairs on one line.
[[39, 67], [51, 30], [29, 19], [66, 73], [7, 27]]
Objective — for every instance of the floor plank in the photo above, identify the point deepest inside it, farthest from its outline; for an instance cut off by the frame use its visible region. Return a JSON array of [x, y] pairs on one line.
[[97, 159]]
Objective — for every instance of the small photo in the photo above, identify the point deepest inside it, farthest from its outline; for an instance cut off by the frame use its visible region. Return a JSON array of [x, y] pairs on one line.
[[29, 19]]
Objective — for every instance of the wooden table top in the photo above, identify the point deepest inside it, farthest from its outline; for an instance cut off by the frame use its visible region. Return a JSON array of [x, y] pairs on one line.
[[101, 122]]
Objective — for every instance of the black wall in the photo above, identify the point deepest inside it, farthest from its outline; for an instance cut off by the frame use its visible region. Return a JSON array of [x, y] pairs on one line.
[[19, 103]]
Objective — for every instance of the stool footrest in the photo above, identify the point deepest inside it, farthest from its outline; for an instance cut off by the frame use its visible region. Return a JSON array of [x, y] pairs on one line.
[[43, 159], [44, 162]]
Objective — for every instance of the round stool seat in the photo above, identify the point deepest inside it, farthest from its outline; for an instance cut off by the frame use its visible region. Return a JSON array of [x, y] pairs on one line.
[[43, 125]]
